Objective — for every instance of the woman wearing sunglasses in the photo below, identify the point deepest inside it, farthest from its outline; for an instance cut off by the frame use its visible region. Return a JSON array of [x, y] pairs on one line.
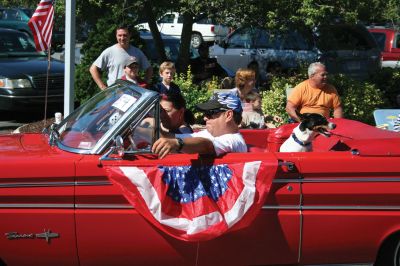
[[175, 118]]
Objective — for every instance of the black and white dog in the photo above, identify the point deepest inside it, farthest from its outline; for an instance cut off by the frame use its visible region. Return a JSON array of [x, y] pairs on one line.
[[310, 126]]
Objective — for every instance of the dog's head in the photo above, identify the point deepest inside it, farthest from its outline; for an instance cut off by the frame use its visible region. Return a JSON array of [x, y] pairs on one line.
[[315, 122]]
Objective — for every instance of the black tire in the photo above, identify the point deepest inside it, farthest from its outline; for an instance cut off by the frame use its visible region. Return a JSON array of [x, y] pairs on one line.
[[389, 254], [196, 40]]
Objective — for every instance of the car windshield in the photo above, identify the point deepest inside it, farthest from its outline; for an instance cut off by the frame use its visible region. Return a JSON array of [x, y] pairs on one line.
[[14, 43], [14, 14], [380, 39], [87, 125]]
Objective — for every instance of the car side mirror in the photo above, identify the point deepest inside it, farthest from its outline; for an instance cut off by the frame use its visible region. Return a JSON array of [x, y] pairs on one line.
[[224, 44], [119, 146], [116, 149]]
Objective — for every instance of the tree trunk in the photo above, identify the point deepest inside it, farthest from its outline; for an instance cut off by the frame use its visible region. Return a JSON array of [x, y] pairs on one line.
[[159, 44], [184, 49]]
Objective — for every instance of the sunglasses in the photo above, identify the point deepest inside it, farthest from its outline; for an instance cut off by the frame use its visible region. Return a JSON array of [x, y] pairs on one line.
[[210, 114]]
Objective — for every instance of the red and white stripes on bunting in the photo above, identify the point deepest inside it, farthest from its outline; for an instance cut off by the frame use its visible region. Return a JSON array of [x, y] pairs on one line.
[[203, 218]]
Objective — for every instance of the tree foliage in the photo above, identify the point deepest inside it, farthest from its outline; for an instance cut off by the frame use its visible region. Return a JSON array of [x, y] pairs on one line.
[[104, 15]]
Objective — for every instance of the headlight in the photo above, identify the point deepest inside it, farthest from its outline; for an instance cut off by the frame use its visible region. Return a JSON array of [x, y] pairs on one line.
[[14, 83]]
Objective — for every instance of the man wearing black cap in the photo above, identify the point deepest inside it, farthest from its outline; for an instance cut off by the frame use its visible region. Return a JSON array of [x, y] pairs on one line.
[[223, 114], [131, 71]]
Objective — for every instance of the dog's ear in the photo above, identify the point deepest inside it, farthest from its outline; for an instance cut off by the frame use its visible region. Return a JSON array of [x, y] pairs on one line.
[[299, 114]]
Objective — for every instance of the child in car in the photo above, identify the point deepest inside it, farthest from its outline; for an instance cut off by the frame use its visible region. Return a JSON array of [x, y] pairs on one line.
[[254, 118]]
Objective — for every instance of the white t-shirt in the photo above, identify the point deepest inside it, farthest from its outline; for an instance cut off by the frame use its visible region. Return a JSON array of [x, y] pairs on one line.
[[113, 60], [222, 144]]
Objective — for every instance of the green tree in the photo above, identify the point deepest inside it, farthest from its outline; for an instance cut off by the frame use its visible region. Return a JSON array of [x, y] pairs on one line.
[[274, 15]]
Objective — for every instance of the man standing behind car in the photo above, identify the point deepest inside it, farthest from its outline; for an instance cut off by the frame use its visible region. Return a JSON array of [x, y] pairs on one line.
[[204, 68], [314, 95], [113, 59]]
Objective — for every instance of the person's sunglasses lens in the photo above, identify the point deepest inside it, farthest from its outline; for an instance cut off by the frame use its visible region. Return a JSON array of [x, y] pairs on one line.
[[210, 114]]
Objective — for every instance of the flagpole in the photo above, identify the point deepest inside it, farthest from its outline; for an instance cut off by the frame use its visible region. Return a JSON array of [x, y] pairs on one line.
[[69, 70], [47, 85]]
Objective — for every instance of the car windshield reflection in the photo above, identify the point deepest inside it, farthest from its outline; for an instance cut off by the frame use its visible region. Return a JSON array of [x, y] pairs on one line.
[[87, 125], [18, 44]]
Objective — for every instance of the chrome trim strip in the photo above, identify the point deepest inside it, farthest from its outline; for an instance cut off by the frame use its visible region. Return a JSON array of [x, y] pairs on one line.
[[36, 206], [276, 181], [330, 208], [336, 180], [32, 96], [128, 206], [285, 180], [344, 264], [37, 184], [346, 180], [281, 207], [103, 206], [355, 208], [93, 183], [56, 184]]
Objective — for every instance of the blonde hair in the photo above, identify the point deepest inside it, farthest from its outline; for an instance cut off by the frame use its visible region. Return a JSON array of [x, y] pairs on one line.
[[167, 65], [243, 75]]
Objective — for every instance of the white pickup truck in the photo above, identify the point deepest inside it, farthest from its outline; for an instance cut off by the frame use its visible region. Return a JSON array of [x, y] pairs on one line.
[[202, 30]]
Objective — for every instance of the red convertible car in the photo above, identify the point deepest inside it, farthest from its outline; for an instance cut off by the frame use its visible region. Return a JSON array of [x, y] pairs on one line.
[[339, 204]]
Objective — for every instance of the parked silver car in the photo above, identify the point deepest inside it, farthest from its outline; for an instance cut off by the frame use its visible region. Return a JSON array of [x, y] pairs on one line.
[[348, 49]]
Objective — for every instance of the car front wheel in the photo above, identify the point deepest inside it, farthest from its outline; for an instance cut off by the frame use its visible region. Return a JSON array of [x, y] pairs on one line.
[[196, 40], [389, 254]]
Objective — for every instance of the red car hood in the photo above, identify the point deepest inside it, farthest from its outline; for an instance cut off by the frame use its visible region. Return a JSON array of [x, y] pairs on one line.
[[22, 145], [30, 155]]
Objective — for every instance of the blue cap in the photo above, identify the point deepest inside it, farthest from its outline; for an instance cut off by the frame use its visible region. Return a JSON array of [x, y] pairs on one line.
[[223, 101]]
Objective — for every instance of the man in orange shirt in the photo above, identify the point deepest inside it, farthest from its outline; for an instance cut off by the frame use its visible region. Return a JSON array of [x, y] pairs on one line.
[[314, 95]]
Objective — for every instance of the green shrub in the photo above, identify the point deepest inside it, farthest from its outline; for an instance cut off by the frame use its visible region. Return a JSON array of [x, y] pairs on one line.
[[274, 99], [388, 81], [193, 93], [359, 98]]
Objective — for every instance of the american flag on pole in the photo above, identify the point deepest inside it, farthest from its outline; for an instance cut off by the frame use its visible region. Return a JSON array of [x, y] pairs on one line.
[[196, 203], [41, 24]]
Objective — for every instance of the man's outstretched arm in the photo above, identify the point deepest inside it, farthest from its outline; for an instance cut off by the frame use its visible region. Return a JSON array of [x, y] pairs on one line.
[[164, 146]]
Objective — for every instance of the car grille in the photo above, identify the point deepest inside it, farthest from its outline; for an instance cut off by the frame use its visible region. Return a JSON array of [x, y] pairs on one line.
[[56, 82]]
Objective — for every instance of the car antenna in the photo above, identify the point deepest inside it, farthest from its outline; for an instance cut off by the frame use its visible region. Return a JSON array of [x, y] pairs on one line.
[[43, 33]]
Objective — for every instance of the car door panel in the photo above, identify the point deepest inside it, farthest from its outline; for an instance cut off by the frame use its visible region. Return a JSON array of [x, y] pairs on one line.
[[110, 231], [273, 237], [37, 212], [100, 229], [341, 206], [234, 58]]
